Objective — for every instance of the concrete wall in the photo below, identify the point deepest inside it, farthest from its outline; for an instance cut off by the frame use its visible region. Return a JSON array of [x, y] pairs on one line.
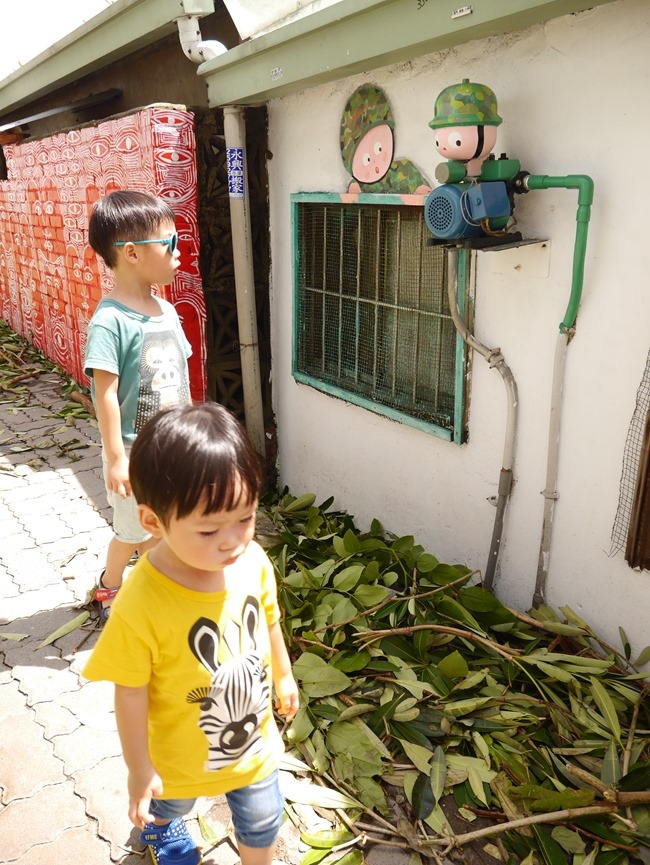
[[566, 110]]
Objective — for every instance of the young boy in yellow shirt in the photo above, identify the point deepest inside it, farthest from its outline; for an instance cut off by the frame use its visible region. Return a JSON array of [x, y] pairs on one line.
[[194, 641]]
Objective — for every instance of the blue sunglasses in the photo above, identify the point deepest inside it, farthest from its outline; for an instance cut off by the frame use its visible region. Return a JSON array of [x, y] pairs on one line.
[[170, 242]]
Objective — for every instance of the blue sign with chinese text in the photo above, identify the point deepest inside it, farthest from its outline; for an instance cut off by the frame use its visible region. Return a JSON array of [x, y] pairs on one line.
[[235, 161]]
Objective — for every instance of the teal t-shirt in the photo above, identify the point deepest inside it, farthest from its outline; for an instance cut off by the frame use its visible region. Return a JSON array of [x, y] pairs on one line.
[[147, 353]]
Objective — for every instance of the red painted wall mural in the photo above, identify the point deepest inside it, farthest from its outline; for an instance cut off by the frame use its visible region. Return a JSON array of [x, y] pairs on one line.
[[50, 279]]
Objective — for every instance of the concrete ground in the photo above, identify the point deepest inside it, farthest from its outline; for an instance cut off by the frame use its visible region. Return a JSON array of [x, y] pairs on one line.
[[62, 779]]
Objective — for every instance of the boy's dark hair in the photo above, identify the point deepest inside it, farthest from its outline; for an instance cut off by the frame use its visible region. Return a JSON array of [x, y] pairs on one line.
[[125, 215], [191, 455]]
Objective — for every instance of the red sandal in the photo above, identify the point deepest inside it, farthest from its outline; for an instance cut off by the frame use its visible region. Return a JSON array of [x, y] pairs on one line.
[[102, 593]]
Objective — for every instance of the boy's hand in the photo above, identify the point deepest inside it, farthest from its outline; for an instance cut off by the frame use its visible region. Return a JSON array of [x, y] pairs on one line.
[[117, 477], [286, 693], [142, 789]]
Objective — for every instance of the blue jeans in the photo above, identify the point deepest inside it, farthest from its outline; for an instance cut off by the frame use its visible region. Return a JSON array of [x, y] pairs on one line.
[[256, 811]]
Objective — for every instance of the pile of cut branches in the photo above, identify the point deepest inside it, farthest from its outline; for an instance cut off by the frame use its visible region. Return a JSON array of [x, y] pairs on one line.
[[419, 685]]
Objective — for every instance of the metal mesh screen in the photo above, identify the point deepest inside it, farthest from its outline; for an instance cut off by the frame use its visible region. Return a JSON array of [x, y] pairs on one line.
[[631, 455], [373, 315]]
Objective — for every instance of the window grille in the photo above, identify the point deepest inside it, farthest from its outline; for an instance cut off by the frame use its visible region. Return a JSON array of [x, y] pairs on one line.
[[371, 317]]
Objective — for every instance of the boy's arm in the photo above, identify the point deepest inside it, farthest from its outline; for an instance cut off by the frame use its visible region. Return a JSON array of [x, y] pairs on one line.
[[110, 428], [131, 709], [286, 689]]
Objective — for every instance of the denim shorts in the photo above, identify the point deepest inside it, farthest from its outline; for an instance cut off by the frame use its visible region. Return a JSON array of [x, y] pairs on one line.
[[126, 522], [256, 811]]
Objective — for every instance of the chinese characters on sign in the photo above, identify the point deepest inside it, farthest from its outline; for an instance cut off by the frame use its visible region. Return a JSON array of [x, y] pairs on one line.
[[235, 158]]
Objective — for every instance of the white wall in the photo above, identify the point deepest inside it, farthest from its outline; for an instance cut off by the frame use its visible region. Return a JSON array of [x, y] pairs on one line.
[[574, 97]]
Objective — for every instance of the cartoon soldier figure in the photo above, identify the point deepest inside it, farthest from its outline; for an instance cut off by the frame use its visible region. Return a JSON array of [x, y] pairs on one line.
[[465, 122], [367, 147]]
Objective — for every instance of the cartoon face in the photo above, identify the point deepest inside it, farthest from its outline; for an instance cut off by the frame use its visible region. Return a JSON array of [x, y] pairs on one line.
[[237, 700], [163, 375], [463, 143], [373, 155], [161, 362]]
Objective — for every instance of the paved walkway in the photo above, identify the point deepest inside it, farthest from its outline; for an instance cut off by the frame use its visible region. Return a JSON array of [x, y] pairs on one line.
[[62, 780]]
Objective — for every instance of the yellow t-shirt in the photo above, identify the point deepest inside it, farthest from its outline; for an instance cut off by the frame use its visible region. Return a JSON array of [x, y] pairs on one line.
[[207, 661]]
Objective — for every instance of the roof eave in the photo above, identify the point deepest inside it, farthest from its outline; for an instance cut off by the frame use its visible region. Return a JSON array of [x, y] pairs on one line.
[[354, 36], [120, 30]]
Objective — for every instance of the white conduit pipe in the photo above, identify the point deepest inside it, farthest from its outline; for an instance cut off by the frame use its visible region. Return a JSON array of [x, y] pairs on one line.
[[192, 43], [235, 135], [550, 492], [496, 360]]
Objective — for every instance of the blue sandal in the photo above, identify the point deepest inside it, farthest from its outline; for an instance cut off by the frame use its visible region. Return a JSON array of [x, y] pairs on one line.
[[171, 844], [102, 593]]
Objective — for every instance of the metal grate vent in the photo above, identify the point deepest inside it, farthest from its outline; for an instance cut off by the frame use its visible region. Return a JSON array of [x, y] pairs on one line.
[[440, 213], [372, 309]]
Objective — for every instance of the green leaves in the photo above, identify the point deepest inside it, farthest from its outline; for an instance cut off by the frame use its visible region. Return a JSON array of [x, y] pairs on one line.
[[409, 672], [607, 709], [70, 626], [317, 677]]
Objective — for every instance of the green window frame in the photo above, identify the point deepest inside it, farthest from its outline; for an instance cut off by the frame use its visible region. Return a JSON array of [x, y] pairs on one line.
[[371, 321]]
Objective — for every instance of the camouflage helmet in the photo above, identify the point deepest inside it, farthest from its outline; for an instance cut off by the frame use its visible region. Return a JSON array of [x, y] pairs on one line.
[[466, 104]]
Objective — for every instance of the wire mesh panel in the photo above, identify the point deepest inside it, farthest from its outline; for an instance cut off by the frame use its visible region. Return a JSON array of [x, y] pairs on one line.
[[630, 527], [372, 312]]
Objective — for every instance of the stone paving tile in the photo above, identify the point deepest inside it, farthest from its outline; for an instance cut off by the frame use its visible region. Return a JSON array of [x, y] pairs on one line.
[[84, 748], [73, 847], [9, 480], [59, 549], [92, 705], [44, 685], [26, 654], [79, 518], [78, 662], [18, 457], [39, 820], [103, 788], [12, 702], [36, 482], [30, 570], [84, 478], [25, 777], [50, 501], [54, 719], [41, 600], [18, 488], [49, 529], [16, 544], [10, 589]]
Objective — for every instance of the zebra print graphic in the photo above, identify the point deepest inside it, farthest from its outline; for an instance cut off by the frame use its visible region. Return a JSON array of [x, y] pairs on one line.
[[234, 704]]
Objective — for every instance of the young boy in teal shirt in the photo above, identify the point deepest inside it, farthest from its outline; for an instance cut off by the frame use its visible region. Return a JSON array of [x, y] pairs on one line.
[[136, 354]]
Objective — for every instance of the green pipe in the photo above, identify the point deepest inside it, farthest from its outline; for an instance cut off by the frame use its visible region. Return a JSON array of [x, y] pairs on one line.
[[585, 187]]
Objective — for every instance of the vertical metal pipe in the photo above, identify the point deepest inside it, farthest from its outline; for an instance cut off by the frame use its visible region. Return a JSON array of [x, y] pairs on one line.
[[585, 187], [550, 492], [496, 361], [235, 134]]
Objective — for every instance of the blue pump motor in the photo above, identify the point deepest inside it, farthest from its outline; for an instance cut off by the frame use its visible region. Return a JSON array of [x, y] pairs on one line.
[[455, 210]]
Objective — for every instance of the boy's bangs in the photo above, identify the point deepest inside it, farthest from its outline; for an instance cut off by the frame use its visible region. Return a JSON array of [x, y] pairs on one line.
[[217, 483]]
